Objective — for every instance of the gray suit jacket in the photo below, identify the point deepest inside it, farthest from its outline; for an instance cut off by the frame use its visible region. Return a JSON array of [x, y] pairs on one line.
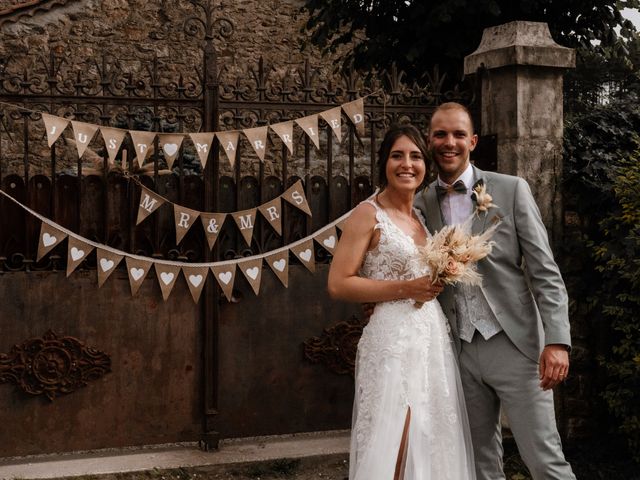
[[529, 299]]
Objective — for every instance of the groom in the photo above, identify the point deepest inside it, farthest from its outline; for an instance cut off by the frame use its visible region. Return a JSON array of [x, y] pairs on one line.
[[512, 333]]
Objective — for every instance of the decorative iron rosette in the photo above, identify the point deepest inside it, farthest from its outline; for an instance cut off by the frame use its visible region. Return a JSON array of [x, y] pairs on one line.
[[336, 347], [52, 365]]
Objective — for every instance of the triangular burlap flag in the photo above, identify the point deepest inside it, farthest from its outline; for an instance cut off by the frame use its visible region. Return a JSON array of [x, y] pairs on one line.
[[184, 218], [212, 223], [285, 132], [170, 146], [328, 239], [113, 138], [296, 197], [340, 224], [310, 126], [83, 133], [137, 270], [54, 127], [149, 203], [142, 142], [258, 139], [305, 254], [107, 261], [334, 118], [50, 236], [195, 277], [225, 275], [246, 220], [279, 263], [355, 112], [229, 144], [272, 212], [77, 252], [252, 271], [203, 143], [167, 275]]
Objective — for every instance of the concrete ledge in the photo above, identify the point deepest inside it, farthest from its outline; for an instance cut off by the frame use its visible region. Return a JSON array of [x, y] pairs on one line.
[[234, 451]]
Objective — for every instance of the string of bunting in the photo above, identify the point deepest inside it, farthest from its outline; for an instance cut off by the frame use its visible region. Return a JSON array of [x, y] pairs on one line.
[[170, 143], [185, 217], [168, 271]]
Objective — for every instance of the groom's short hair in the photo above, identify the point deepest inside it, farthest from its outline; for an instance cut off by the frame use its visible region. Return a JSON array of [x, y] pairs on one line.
[[452, 106]]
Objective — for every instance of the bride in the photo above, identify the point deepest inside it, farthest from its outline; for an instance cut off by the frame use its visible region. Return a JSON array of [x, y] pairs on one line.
[[409, 420]]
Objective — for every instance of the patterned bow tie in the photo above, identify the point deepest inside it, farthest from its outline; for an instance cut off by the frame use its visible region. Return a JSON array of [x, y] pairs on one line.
[[458, 187]]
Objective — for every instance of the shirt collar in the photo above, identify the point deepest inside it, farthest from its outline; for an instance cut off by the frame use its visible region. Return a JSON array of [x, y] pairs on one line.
[[466, 177]]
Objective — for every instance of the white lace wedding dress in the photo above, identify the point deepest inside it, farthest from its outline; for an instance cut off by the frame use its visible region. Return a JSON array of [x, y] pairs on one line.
[[406, 359]]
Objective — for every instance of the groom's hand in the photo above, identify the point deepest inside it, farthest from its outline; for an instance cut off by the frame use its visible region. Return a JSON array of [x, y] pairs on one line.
[[554, 365]]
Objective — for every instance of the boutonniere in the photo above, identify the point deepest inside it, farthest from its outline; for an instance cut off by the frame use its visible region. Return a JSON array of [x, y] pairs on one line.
[[481, 198]]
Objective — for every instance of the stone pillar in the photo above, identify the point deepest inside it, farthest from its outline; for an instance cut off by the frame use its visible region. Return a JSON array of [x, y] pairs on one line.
[[521, 70]]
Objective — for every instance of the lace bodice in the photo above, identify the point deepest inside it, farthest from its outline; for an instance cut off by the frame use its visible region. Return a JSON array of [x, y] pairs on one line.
[[396, 256]]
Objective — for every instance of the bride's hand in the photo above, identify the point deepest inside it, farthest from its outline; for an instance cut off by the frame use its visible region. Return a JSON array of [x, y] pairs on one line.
[[423, 290]]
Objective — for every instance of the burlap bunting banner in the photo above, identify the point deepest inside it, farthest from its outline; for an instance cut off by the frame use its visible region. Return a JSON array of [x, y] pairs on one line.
[[212, 223], [296, 197], [245, 220], [310, 126], [229, 144], [54, 127], [107, 261], [252, 271], [258, 139], [334, 118], [203, 143], [83, 133], [224, 275], [184, 218], [142, 143], [149, 203], [137, 270], [355, 113], [113, 138], [170, 146], [285, 132], [328, 239], [279, 263], [167, 277], [77, 252], [272, 212], [195, 277], [304, 252], [49, 238]]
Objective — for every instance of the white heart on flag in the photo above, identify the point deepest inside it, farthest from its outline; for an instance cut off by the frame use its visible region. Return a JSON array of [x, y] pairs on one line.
[[196, 280], [170, 148], [329, 242], [280, 264], [106, 264], [166, 277], [76, 254], [48, 240], [225, 277], [306, 255], [137, 273], [253, 272]]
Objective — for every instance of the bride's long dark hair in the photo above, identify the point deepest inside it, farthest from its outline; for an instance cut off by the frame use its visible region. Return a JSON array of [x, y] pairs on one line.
[[394, 133]]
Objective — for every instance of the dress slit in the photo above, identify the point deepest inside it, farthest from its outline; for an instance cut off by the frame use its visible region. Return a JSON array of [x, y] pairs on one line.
[[401, 462]]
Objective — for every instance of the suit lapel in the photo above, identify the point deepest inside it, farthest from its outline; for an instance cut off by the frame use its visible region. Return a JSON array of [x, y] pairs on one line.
[[433, 212], [480, 218]]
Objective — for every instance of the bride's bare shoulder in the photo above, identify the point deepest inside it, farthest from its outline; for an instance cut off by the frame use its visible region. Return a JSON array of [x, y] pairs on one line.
[[363, 217]]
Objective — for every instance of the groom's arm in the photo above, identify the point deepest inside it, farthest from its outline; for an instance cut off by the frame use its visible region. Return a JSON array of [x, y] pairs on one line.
[[546, 281]]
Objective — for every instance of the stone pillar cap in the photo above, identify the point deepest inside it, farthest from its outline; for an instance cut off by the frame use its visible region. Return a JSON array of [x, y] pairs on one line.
[[519, 43]]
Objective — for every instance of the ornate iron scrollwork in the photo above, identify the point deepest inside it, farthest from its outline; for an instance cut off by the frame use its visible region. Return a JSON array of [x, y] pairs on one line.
[[336, 347], [52, 365]]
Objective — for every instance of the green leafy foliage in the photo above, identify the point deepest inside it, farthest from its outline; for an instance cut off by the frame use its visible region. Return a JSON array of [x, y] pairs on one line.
[[417, 34], [602, 172]]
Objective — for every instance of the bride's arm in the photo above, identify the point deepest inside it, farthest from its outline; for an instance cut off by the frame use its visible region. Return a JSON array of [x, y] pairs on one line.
[[344, 282]]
